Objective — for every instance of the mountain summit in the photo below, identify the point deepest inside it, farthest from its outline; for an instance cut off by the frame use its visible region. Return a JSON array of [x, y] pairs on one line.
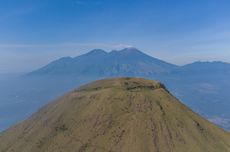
[[116, 115], [126, 62]]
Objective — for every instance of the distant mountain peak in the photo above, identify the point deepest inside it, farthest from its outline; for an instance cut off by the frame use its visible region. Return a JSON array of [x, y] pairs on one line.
[[130, 50], [97, 51], [127, 48]]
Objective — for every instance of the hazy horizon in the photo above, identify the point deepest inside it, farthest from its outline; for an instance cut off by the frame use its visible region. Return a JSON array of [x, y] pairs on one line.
[[22, 69]]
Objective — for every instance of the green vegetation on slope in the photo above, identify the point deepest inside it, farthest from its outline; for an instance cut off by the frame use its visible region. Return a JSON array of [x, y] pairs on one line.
[[116, 115]]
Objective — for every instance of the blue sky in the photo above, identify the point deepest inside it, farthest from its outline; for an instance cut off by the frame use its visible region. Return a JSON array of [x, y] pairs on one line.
[[34, 32]]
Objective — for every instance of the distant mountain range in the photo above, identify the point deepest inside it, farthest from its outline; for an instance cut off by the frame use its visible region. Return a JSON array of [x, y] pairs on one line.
[[203, 86], [129, 61], [204, 68]]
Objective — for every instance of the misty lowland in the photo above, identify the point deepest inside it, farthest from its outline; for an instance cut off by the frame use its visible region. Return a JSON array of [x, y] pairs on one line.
[[114, 76]]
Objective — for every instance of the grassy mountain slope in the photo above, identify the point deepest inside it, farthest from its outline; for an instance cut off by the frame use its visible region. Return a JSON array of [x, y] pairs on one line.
[[116, 115]]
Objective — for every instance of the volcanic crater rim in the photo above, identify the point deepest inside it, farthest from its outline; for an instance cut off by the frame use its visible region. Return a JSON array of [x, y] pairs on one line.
[[126, 83]]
